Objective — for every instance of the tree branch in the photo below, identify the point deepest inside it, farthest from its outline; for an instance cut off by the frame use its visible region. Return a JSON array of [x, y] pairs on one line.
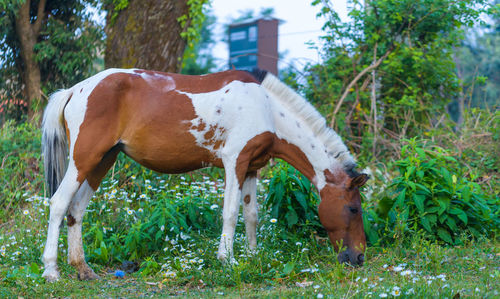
[[351, 84], [40, 15]]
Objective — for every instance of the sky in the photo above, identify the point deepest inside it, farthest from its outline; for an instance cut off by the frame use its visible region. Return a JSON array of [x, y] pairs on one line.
[[300, 26]]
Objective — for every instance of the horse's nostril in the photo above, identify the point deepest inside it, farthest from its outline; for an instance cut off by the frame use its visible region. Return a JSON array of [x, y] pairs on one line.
[[361, 258]]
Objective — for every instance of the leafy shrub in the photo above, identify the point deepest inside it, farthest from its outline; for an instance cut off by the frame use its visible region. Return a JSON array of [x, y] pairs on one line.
[[291, 199], [433, 193], [142, 226], [474, 143], [19, 164]]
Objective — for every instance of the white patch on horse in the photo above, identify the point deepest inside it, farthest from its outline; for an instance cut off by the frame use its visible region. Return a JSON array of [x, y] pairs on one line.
[[230, 124], [152, 79]]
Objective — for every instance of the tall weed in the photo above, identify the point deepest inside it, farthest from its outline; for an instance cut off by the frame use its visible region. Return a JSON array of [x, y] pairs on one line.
[[433, 194], [291, 199]]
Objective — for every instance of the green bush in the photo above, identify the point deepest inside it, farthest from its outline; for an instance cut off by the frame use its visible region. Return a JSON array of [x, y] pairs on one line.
[[20, 165], [291, 199], [144, 221], [434, 194]]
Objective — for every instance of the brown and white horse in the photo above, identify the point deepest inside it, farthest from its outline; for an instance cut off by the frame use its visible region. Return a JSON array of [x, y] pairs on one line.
[[174, 123]]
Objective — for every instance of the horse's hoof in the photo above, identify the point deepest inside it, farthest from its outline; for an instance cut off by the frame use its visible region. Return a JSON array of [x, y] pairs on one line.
[[87, 274], [222, 256], [252, 248], [227, 260], [51, 275]]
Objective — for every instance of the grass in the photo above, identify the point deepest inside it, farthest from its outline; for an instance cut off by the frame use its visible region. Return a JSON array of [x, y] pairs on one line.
[[285, 265], [170, 225]]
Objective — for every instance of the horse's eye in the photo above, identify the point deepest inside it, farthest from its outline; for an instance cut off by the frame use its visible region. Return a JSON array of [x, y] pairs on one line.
[[353, 210]]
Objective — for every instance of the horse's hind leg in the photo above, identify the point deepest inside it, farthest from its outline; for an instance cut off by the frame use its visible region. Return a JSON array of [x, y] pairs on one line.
[[249, 196], [76, 255], [58, 206]]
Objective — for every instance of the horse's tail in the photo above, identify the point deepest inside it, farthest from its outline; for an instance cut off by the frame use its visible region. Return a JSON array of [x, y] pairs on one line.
[[54, 139]]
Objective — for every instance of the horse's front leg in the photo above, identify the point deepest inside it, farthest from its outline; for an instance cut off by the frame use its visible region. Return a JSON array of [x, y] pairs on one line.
[[232, 194], [250, 209]]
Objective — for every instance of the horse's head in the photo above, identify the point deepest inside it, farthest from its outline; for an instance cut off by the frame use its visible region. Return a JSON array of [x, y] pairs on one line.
[[341, 215]]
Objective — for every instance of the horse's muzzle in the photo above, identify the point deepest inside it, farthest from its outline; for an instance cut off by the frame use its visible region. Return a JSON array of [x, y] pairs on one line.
[[351, 257]]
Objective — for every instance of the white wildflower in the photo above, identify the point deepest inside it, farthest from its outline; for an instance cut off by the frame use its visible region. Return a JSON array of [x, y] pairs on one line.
[[396, 291], [410, 292]]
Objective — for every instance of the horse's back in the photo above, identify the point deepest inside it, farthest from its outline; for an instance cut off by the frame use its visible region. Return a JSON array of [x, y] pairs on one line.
[[170, 122]]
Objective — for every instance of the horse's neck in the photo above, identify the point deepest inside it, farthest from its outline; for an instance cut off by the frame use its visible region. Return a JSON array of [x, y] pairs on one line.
[[298, 145]]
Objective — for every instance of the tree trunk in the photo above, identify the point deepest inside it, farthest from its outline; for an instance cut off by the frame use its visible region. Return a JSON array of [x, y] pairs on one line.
[[146, 34], [27, 33]]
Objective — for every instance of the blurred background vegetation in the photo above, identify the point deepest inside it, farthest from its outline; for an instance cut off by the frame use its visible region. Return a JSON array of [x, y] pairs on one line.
[[413, 87]]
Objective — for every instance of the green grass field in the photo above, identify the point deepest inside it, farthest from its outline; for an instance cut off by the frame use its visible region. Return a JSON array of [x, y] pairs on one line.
[[286, 264]]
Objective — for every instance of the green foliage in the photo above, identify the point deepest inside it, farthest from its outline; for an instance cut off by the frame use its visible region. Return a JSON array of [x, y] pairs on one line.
[[198, 58], [19, 165], [68, 49], [143, 228], [192, 22], [117, 6], [475, 145], [415, 79], [432, 193], [67, 46], [291, 199], [478, 62]]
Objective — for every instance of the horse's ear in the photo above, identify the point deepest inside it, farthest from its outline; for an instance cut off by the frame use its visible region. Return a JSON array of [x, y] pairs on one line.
[[359, 181]]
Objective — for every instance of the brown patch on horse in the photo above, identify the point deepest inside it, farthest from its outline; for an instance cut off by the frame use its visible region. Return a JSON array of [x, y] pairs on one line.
[[246, 199], [120, 110], [200, 127], [71, 220], [263, 147], [102, 123], [292, 153], [97, 174], [335, 178], [210, 135], [255, 155]]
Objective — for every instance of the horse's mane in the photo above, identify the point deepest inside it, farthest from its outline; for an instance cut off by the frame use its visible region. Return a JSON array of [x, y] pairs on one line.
[[311, 117]]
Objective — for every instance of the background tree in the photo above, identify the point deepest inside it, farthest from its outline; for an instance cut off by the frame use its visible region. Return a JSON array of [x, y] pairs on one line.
[[44, 45], [388, 72], [152, 34], [198, 58], [477, 63]]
